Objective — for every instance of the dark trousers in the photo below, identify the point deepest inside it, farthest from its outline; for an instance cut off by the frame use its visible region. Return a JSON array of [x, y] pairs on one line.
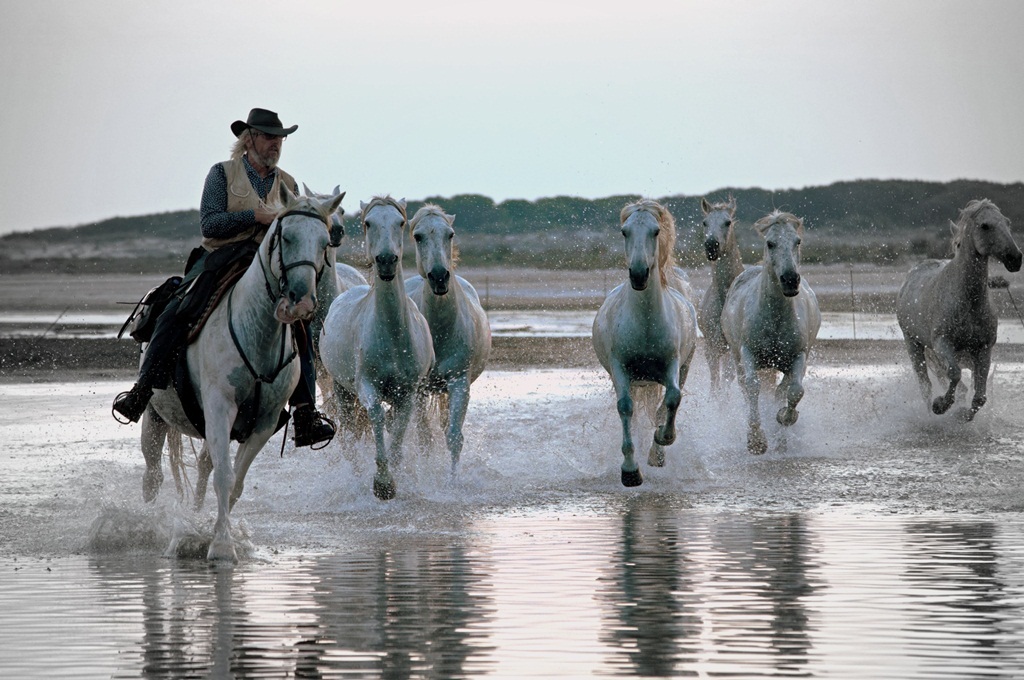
[[170, 333]]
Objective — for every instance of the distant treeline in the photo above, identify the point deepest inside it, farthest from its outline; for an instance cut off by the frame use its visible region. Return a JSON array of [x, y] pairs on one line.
[[874, 220]]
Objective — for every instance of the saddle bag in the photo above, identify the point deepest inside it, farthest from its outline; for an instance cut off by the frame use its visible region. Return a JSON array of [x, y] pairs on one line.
[[142, 319]]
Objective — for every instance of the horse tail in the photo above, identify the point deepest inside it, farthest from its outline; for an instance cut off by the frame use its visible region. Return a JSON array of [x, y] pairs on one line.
[[435, 407], [344, 407], [648, 399], [176, 461]]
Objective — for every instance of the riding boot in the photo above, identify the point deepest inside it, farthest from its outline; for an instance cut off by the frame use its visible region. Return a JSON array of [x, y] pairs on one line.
[[311, 426], [168, 337]]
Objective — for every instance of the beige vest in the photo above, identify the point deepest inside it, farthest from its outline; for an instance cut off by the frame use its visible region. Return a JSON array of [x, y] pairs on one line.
[[242, 196]]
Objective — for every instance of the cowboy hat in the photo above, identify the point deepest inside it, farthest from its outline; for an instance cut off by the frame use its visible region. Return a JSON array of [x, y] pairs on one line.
[[264, 121]]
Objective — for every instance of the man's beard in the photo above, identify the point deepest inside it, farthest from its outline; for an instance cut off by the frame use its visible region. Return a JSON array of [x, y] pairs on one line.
[[269, 161]]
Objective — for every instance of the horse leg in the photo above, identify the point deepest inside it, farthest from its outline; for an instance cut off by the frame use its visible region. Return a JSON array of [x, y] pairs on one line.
[[714, 358], [383, 481], [219, 411], [665, 434], [982, 362], [154, 434], [947, 356], [423, 424], [631, 475], [203, 469], [757, 443], [243, 459], [919, 363], [403, 407], [458, 404], [794, 390]]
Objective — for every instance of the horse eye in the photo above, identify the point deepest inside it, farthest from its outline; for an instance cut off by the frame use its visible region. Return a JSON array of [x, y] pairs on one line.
[[985, 226], [366, 224], [798, 241], [417, 237], [728, 223], [771, 244]]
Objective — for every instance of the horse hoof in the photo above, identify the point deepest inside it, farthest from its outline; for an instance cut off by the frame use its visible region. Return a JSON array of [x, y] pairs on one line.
[[632, 478], [940, 406], [966, 415], [151, 483], [787, 416], [757, 445], [385, 491], [220, 552], [663, 438]]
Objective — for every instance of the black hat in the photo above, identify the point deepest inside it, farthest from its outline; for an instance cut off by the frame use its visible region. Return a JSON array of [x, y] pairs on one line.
[[264, 121]]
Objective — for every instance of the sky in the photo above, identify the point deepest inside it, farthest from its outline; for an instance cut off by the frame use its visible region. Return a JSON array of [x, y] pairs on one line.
[[120, 107]]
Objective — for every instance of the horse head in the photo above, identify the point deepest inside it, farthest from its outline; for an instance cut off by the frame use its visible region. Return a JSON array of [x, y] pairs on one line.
[[337, 227], [650, 233], [782, 232], [383, 220], [296, 250], [718, 220], [434, 237], [982, 223]]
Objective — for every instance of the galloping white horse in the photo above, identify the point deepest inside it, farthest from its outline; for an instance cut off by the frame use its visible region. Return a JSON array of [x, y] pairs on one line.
[[944, 309], [375, 342], [771, 320], [723, 251], [645, 333], [243, 365], [458, 323]]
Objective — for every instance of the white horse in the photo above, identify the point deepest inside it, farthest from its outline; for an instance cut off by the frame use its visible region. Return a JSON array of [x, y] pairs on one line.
[[458, 323], [375, 342], [771, 320], [243, 365], [944, 309], [645, 333], [723, 251]]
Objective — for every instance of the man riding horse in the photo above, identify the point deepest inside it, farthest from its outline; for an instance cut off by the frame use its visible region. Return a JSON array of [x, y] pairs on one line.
[[234, 216]]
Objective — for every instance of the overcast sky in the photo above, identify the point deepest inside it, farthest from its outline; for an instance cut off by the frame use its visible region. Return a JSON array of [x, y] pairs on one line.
[[120, 107]]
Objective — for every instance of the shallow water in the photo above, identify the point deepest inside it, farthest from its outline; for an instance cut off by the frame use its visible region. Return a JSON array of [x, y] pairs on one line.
[[509, 323], [873, 540]]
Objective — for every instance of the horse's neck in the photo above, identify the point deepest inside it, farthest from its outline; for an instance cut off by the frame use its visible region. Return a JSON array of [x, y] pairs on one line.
[[968, 272], [728, 266], [390, 299], [252, 309], [771, 298], [442, 308]]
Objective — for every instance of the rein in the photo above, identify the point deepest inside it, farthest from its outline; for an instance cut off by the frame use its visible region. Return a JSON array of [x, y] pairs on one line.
[[282, 363]]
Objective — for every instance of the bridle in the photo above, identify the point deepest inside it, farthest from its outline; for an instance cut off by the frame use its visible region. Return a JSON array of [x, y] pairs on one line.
[[282, 362], [275, 241]]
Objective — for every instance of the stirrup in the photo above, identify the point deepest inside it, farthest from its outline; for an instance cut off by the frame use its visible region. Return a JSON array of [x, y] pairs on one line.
[[309, 435]]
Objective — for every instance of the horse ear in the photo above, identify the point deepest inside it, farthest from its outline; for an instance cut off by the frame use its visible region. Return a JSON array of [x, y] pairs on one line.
[[306, 192], [286, 195], [401, 202], [704, 206], [335, 202], [953, 229], [362, 207], [337, 190], [451, 219]]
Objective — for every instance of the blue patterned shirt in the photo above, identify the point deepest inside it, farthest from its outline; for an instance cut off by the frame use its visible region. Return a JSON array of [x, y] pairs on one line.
[[215, 220]]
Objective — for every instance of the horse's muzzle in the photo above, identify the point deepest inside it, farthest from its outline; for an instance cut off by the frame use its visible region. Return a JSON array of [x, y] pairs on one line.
[[286, 312], [387, 266], [790, 284], [439, 279], [638, 280], [1013, 262]]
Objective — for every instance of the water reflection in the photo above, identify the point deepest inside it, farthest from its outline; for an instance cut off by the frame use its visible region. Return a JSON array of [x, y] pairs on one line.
[[393, 612], [955, 583], [692, 596]]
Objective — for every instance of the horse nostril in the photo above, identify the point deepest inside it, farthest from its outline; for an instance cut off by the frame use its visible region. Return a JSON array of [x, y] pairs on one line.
[[790, 280]]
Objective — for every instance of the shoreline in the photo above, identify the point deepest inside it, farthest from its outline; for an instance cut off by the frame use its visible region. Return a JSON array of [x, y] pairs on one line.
[[64, 360]]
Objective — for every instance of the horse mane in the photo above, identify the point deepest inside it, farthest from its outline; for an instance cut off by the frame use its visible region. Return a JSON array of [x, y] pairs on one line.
[[666, 234], [777, 216], [729, 205], [386, 199], [968, 214], [434, 209]]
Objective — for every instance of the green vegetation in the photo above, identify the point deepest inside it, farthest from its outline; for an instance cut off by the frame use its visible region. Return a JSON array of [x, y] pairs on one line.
[[874, 221]]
